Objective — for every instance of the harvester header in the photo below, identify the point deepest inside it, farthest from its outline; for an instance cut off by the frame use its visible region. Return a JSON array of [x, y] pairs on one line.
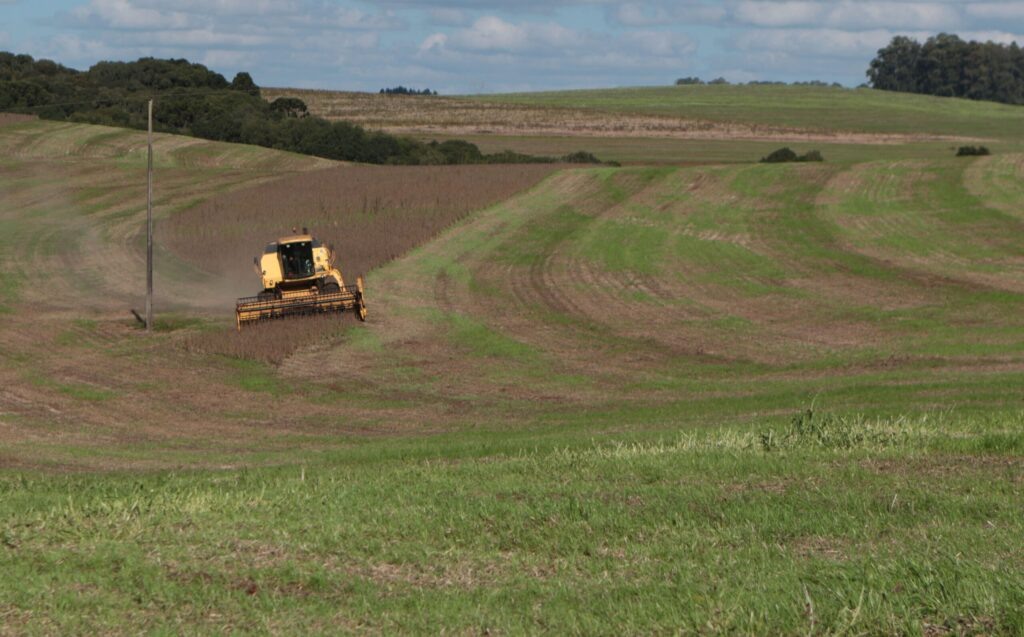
[[299, 277]]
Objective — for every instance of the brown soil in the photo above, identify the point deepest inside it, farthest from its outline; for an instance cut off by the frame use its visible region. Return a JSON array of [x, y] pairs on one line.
[[15, 118], [371, 214], [943, 466]]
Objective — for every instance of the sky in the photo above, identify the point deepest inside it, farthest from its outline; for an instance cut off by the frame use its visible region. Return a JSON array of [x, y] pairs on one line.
[[485, 46]]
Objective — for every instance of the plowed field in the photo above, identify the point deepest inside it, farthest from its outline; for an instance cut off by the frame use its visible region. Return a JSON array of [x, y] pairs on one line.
[[649, 294], [736, 399]]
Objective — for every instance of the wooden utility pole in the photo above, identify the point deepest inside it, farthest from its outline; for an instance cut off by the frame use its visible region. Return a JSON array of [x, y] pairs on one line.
[[149, 224]]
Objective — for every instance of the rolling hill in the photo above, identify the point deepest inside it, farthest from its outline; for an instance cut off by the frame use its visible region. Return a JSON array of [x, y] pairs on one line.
[[688, 124], [716, 397]]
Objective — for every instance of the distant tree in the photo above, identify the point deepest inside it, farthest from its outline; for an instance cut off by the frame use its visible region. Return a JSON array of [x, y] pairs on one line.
[[719, 80], [155, 74], [289, 107], [193, 100], [402, 90], [968, 151], [243, 82], [688, 81], [456, 151], [947, 66], [787, 154], [781, 155], [895, 66], [581, 157]]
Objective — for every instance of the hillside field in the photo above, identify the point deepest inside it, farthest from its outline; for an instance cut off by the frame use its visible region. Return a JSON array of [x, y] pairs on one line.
[[687, 124], [699, 397]]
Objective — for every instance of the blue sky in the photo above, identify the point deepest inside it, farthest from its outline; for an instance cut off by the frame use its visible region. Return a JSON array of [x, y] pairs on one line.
[[462, 46]]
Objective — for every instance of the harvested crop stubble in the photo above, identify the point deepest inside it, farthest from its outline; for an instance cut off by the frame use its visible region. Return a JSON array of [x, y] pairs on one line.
[[271, 342], [371, 214]]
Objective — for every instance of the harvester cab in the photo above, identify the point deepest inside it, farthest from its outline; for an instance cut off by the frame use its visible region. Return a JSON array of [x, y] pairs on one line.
[[296, 260], [299, 277]]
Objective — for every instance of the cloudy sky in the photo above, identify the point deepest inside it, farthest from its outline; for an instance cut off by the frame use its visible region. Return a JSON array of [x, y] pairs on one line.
[[462, 46]]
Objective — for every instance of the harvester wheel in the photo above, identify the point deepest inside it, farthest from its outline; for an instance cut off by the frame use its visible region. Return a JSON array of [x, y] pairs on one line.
[[265, 296], [331, 288]]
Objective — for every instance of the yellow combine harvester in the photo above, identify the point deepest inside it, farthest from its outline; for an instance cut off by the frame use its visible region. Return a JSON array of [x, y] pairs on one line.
[[299, 277]]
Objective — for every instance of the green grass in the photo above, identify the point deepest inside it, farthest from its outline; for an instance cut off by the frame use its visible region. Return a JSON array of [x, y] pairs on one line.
[[76, 390], [905, 525], [256, 377], [8, 292], [481, 340], [821, 108]]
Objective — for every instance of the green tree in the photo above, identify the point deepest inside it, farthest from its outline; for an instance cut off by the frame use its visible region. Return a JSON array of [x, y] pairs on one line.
[[243, 82]]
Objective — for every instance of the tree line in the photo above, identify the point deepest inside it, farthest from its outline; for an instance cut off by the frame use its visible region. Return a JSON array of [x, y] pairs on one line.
[[696, 81], [948, 66], [403, 90], [193, 100]]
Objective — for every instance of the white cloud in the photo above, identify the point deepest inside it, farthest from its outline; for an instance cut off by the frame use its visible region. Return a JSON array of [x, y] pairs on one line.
[[227, 15], [996, 10], [568, 57], [124, 14], [999, 37], [659, 43], [221, 58], [847, 14], [226, 7], [67, 46], [449, 17], [637, 14], [202, 38], [815, 42], [434, 42], [916, 15], [493, 34], [634, 14], [343, 18], [778, 14]]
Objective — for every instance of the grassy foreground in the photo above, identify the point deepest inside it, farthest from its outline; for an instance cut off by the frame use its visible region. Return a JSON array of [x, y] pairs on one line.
[[823, 525]]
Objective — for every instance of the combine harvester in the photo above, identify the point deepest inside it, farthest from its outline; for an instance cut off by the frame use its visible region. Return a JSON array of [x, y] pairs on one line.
[[299, 277]]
